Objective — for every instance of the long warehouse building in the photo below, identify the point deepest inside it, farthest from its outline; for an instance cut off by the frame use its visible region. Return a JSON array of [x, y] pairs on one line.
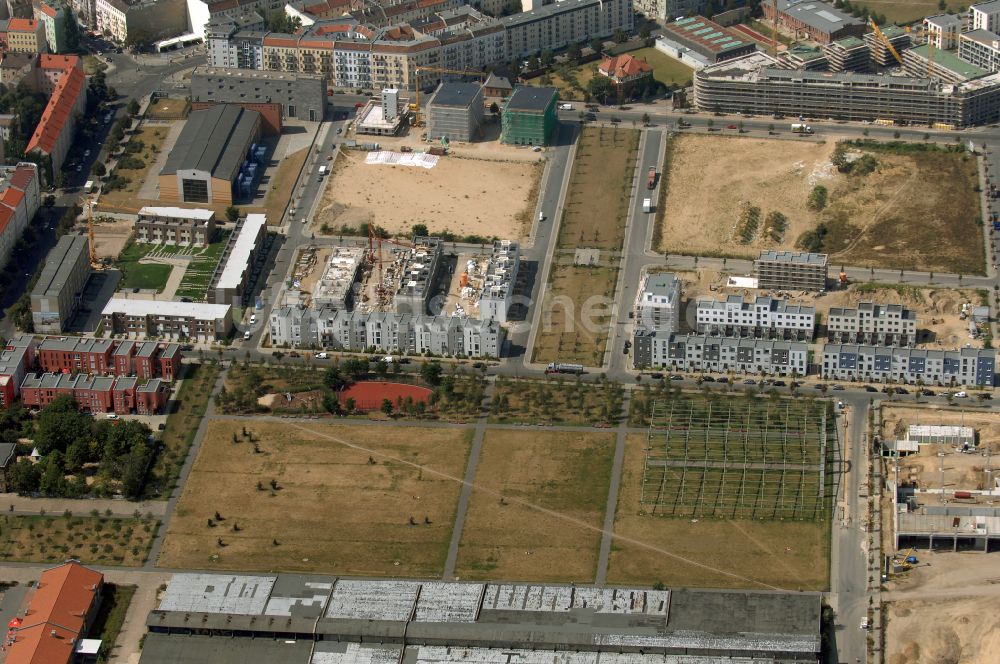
[[756, 84]]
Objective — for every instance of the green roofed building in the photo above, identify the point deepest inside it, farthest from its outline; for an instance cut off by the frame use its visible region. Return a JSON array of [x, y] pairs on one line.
[[529, 116]]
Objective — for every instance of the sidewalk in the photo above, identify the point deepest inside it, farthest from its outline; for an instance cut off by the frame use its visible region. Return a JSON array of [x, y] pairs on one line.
[[13, 503]]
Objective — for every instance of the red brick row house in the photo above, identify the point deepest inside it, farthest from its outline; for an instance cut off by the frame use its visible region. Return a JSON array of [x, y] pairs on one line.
[[90, 355], [97, 394]]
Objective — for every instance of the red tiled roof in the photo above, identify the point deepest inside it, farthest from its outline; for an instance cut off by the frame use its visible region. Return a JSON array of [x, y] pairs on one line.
[[624, 66], [6, 214], [22, 177], [47, 10], [12, 197], [56, 616], [337, 27], [49, 61], [281, 41], [22, 25], [58, 111]]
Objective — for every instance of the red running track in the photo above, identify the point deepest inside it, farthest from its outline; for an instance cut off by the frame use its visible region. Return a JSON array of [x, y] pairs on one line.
[[368, 395], [751, 32]]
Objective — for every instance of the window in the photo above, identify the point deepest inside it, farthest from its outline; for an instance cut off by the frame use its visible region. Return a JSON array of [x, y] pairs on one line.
[[194, 191]]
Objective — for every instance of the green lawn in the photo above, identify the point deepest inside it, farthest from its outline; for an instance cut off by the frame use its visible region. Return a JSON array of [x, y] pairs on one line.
[[666, 70], [902, 12], [199, 271], [146, 276]]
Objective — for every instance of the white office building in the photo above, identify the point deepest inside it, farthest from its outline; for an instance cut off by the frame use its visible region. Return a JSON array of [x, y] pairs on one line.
[[658, 303], [985, 16]]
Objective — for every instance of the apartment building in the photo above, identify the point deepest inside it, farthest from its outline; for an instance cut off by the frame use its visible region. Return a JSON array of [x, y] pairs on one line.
[[242, 256], [56, 295], [964, 366], [658, 302], [144, 21], [17, 358], [354, 331], [985, 16], [361, 51], [417, 276], [880, 54], [20, 197], [97, 394], [980, 48], [943, 30], [498, 283], [764, 318], [53, 20], [26, 35], [848, 54], [873, 324], [100, 356], [652, 349], [790, 270], [137, 319], [757, 84], [174, 225], [62, 78]]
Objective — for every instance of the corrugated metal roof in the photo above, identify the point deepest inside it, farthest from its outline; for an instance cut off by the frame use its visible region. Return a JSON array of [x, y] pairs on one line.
[[212, 141]]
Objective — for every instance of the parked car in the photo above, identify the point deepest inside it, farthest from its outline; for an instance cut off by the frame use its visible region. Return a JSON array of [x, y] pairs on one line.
[[321, 356], [838, 387], [779, 383], [732, 126], [961, 395], [294, 354], [676, 377], [928, 393], [708, 379], [749, 381], [656, 376]]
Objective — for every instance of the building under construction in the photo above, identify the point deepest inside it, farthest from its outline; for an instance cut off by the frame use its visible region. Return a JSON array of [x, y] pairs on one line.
[[757, 84], [335, 287], [414, 275]]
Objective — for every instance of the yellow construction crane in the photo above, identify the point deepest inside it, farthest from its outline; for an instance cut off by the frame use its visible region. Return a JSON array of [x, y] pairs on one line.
[[885, 40], [913, 33], [415, 107]]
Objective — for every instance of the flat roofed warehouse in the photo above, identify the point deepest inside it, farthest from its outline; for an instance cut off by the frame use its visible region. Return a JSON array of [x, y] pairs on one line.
[[205, 163], [709, 39]]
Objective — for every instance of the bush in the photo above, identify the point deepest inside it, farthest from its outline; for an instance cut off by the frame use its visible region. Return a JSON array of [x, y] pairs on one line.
[[131, 163], [812, 241], [817, 198]]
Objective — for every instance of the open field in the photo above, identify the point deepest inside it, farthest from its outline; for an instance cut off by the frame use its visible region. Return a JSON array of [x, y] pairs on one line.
[[139, 270], [570, 81], [385, 509], [512, 537], [152, 137], [201, 267], [575, 326], [947, 609], [717, 553], [559, 401], [466, 196], [91, 540], [902, 12], [187, 408], [868, 219]]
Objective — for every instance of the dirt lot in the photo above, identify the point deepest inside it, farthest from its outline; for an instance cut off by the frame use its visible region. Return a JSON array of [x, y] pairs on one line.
[[947, 610], [869, 218], [546, 526], [168, 109], [337, 509], [466, 196], [111, 236], [711, 553], [577, 303], [937, 309], [961, 471]]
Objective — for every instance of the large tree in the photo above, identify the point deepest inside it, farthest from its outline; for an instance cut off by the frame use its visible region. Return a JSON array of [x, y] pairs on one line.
[[70, 30], [59, 424]]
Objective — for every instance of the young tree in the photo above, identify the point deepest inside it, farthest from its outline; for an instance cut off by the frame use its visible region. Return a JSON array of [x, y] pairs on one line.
[[133, 107], [387, 406], [430, 372], [494, 110], [421, 229], [620, 36], [547, 57], [597, 45], [573, 52], [232, 213], [24, 477], [599, 88], [99, 169]]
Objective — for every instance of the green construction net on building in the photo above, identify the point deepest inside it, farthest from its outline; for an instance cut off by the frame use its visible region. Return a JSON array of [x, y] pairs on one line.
[[529, 117]]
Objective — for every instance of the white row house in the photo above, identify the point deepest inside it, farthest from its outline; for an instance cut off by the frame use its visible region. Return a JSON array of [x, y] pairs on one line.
[[702, 353], [385, 332], [964, 366], [874, 324], [765, 317]]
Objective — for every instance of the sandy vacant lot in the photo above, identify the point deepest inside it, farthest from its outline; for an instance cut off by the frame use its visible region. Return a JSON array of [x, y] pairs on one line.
[[869, 219], [712, 553], [464, 196], [555, 488], [945, 611], [711, 176], [338, 509], [111, 236]]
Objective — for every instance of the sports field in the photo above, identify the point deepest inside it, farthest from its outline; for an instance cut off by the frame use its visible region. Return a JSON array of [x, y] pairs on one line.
[[344, 500]]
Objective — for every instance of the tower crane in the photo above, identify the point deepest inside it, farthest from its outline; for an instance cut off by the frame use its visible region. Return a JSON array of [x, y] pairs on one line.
[[885, 40], [438, 70]]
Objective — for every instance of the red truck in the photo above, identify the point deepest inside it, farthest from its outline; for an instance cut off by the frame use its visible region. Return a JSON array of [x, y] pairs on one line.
[[651, 178]]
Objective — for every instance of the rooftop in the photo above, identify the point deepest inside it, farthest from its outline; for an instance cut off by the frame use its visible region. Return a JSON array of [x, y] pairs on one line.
[[984, 37], [257, 74], [450, 93], [991, 7], [802, 258], [58, 265], [178, 213], [212, 141], [530, 99], [707, 34], [239, 256], [198, 310], [945, 21], [950, 61], [71, 84], [817, 15]]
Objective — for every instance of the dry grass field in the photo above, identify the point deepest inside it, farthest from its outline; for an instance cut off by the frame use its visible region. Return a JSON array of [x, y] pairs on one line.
[[555, 488], [462, 195], [711, 553], [336, 509], [560, 401], [869, 219], [575, 325]]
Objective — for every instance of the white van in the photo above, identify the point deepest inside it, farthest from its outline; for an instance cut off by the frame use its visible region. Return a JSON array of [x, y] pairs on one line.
[[253, 319], [565, 107], [246, 335], [322, 356]]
